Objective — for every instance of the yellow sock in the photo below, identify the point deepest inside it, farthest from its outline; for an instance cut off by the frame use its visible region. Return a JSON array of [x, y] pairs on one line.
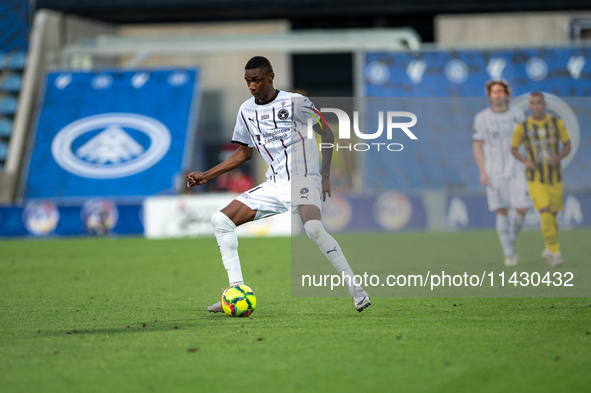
[[550, 231]]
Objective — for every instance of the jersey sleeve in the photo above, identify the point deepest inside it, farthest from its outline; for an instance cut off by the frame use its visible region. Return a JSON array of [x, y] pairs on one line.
[[562, 133], [241, 134], [479, 129], [304, 109], [518, 136]]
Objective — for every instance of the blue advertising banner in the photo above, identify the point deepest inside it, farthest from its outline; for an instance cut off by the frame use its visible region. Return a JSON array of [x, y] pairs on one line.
[[388, 211], [112, 133], [468, 212], [442, 155], [43, 218], [564, 72]]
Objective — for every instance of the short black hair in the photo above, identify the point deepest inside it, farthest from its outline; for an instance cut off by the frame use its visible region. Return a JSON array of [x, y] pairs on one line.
[[259, 62]]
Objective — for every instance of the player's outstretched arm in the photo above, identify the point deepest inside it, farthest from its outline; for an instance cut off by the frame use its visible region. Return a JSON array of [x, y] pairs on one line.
[[326, 136], [239, 157]]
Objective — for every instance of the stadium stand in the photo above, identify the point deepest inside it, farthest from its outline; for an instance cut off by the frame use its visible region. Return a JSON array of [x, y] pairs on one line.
[[5, 128], [11, 83], [12, 66], [16, 61], [3, 150]]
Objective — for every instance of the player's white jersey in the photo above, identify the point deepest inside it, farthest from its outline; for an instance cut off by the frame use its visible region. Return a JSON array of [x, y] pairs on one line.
[[279, 136], [495, 130]]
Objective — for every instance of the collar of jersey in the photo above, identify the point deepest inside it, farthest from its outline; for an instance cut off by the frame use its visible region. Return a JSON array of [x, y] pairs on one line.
[[499, 113], [269, 101], [540, 122]]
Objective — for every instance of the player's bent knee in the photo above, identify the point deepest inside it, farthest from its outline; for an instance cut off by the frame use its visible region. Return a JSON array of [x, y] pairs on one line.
[[314, 229], [220, 221], [217, 219]]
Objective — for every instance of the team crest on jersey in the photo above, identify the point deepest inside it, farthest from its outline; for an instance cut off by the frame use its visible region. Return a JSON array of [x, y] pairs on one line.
[[304, 190], [283, 114], [551, 130]]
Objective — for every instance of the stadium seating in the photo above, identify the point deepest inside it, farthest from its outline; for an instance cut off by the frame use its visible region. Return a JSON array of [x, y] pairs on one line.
[[12, 66], [5, 128], [8, 105], [11, 83], [16, 61], [3, 150]]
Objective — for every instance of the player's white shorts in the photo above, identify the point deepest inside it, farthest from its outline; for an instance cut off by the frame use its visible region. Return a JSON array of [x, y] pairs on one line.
[[508, 193], [306, 191], [270, 198]]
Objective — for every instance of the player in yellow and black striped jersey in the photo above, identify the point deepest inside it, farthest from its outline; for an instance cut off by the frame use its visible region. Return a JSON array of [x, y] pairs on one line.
[[543, 134]]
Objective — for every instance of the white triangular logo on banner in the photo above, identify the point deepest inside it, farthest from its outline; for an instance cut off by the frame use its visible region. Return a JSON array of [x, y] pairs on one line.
[[575, 66], [415, 70], [457, 216], [495, 67], [112, 145]]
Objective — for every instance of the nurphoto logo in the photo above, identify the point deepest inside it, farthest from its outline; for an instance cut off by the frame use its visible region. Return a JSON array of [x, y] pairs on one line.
[[392, 120]]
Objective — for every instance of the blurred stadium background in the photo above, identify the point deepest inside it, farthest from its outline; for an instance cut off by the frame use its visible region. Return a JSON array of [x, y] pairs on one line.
[[106, 105]]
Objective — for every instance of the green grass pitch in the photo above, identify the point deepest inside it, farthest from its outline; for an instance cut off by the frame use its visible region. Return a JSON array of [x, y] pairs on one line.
[[128, 315]]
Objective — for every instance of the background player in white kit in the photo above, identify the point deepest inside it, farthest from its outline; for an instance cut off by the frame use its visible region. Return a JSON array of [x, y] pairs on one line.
[[267, 122], [500, 172]]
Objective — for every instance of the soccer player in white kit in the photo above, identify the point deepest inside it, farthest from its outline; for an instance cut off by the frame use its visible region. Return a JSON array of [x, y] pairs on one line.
[[503, 176], [267, 122]]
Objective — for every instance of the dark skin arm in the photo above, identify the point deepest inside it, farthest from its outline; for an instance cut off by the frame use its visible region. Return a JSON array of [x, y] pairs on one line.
[[239, 157]]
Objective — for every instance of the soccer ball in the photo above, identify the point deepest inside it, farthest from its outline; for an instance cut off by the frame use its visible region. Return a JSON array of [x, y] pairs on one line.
[[238, 301]]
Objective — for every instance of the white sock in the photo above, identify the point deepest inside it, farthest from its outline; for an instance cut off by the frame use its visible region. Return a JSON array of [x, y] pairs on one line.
[[516, 227], [331, 249], [225, 234], [503, 232]]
